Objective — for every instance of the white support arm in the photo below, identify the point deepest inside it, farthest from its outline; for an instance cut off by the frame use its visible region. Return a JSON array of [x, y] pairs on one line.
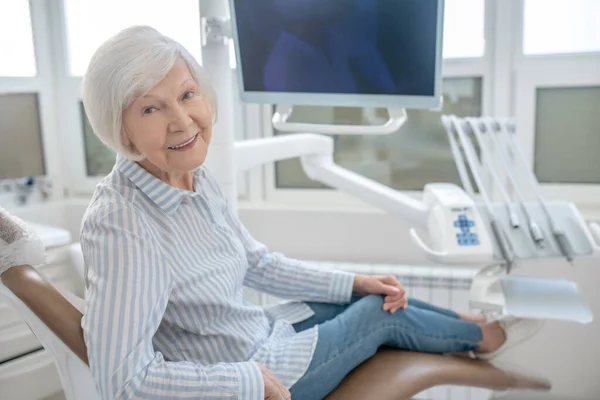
[[283, 113], [323, 169], [255, 152], [316, 153]]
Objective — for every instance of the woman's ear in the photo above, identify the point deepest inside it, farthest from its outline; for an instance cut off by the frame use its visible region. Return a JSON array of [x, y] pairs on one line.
[[126, 142]]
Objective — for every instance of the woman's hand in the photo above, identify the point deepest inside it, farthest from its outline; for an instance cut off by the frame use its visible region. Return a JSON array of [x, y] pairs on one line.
[[274, 389], [385, 285]]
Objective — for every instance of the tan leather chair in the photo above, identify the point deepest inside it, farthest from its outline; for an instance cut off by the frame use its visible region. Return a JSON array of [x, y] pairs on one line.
[[55, 318]]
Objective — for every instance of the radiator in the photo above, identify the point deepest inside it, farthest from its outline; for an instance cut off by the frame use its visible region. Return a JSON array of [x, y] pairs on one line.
[[441, 286]]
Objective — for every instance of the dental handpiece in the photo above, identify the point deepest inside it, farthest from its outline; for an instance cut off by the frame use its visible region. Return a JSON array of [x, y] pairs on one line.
[[504, 245], [534, 229]]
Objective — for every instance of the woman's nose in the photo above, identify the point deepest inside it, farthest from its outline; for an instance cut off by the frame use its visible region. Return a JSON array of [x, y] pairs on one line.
[[180, 119]]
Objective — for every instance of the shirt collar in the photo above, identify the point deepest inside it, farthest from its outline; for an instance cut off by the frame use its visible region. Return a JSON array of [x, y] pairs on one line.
[[161, 193]]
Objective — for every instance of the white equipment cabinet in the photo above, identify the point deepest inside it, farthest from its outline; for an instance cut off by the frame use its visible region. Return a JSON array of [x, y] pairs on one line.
[[27, 371]]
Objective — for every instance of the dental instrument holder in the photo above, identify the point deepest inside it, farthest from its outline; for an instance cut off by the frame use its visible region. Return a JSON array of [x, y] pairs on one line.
[[496, 287]]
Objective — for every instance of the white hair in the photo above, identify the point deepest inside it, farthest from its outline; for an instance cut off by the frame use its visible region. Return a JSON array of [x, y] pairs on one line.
[[126, 67]]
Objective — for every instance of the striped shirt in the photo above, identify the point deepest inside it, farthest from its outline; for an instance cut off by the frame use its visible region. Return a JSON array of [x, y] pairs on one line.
[[165, 317]]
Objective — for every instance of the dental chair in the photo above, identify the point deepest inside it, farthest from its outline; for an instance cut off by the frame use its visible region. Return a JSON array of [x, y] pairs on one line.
[[55, 319]]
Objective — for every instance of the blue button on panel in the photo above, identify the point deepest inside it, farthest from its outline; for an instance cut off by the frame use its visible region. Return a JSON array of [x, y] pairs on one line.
[[465, 237]]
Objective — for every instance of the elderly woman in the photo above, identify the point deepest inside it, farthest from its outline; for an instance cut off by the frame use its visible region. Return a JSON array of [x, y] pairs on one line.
[[167, 259]]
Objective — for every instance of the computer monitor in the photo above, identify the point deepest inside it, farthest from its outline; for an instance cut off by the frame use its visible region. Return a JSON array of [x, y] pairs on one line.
[[366, 53], [21, 148]]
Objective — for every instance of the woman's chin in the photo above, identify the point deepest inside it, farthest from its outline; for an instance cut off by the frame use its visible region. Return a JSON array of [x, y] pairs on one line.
[[175, 161], [188, 160], [189, 164]]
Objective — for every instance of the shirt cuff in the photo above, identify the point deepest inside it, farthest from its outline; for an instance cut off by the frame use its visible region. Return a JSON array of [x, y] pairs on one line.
[[340, 287], [252, 386]]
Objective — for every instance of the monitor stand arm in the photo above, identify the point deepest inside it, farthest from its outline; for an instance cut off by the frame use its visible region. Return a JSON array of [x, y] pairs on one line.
[[397, 117]]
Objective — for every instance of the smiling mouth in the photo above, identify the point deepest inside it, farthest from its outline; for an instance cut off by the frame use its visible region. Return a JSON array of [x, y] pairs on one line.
[[186, 143]]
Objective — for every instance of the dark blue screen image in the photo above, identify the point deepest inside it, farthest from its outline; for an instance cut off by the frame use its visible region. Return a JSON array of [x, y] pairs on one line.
[[374, 47]]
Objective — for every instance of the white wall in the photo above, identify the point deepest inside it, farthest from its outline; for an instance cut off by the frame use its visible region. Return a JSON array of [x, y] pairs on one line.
[[332, 235]]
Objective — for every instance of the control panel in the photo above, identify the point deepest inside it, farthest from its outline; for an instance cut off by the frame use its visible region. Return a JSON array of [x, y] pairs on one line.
[[456, 230]]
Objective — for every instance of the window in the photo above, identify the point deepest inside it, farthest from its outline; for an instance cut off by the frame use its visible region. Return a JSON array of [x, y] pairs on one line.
[[561, 26], [416, 154], [464, 29], [22, 151], [91, 22], [16, 40], [567, 135]]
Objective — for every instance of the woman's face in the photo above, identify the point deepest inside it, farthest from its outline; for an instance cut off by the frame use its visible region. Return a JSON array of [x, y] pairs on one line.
[[172, 124]]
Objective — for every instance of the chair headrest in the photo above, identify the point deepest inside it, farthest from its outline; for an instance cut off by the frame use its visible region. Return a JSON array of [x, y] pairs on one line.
[[60, 313]]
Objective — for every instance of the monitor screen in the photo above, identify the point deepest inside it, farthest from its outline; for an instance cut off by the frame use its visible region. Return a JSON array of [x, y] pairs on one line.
[[21, 148], [378, 53]]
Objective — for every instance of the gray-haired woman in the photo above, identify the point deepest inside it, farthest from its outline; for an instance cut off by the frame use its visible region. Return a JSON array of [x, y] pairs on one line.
[[166, 260]]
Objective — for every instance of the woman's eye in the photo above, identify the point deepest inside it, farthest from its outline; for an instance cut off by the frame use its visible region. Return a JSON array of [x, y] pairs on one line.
[[149, 110], [188, 95]]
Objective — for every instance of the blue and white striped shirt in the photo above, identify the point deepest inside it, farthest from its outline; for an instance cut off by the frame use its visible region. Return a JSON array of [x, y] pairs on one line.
[[165, 316]]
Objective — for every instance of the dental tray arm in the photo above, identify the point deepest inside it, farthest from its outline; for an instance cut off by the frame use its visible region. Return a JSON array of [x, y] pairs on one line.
[[446, 213], [321, 168], [316, 153]]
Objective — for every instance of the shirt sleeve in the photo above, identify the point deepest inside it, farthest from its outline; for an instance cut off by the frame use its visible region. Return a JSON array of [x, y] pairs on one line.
[[284, 277], [128, 281]]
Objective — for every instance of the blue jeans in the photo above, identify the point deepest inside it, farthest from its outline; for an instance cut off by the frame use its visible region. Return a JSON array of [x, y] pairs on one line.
[[350, 334]]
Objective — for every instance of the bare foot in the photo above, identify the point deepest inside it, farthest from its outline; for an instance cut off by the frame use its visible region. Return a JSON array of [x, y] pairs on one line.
[[475, 318], [493, 337]]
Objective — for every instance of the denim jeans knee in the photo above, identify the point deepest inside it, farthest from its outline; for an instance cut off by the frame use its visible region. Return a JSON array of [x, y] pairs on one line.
[[359, 330]]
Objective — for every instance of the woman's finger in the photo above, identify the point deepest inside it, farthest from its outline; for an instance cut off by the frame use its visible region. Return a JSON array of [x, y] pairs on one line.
[[391, 280], [394, 298], [400, 304], [389, 306]]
